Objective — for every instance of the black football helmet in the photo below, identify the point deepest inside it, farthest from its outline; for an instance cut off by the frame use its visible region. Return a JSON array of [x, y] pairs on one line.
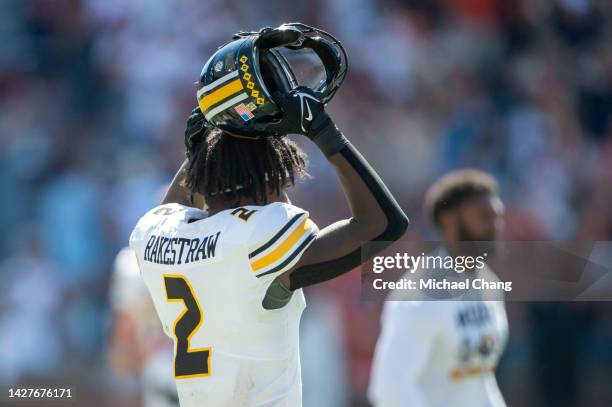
[[241, 81]]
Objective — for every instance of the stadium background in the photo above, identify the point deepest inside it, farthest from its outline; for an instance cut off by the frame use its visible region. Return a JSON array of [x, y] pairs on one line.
[[94, 99]]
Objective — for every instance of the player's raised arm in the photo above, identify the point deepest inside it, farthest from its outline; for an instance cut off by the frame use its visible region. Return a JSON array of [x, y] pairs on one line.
[[376, 215]]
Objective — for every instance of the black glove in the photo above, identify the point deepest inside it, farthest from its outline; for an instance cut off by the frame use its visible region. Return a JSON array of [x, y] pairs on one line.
[[303, 114], [195, 132]]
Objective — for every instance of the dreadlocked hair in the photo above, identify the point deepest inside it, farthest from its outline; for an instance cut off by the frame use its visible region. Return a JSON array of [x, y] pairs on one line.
[[225, 166]]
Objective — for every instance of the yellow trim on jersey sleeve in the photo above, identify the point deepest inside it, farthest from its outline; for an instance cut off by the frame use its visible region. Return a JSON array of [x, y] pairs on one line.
[[284, 246]]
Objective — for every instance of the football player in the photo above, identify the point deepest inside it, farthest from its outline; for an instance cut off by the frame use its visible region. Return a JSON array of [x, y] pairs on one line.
[[442, 352], [226, 281], [137, 347]]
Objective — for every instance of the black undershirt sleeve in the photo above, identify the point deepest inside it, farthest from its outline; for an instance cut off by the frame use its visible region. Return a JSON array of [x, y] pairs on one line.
[[396, 220]]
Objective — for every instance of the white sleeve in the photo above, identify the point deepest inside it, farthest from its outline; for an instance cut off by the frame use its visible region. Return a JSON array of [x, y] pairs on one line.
[[280, 235], [407, 334]]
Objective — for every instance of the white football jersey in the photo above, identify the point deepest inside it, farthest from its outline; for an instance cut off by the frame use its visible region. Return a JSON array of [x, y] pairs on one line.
[[207, 276], [439, 353]]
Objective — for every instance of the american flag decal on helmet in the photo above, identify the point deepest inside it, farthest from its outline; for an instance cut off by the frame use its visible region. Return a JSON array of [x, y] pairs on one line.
[[244, 112]]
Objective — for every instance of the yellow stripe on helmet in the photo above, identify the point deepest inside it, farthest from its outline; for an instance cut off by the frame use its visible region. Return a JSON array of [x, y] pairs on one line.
[[219, 94]]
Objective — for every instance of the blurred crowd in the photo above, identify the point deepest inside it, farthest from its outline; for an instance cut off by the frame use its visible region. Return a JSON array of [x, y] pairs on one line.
[[94, 99]]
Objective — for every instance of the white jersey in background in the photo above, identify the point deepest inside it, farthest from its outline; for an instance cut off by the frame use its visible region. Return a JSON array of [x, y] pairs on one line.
[[207, 276], [129, 295], [434, 353]]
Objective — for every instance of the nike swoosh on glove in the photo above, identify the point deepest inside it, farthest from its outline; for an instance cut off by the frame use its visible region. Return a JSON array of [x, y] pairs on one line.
[[303, 113]]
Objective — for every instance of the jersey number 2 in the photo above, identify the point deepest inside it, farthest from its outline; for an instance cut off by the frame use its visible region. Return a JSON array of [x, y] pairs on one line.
[[187, 362]]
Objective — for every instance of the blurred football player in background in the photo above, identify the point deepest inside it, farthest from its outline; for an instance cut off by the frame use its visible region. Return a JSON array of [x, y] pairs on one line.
[[444, 352], [226, 282], [138, 348]]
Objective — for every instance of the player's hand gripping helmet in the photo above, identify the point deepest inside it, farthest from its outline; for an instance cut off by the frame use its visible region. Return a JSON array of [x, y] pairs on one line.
[[240, 83]]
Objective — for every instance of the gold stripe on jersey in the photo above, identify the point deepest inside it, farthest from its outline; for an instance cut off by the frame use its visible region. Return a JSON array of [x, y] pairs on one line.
[[289, 258], [285, 247], [277, 236], [462, 373]]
